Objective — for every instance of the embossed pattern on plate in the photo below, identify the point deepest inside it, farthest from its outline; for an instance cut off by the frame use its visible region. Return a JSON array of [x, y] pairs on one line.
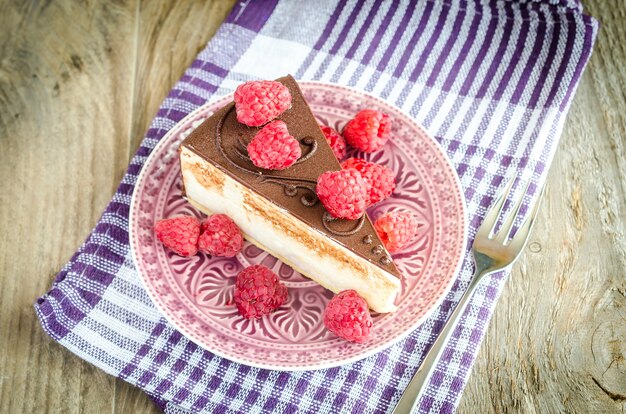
[[196, 294]]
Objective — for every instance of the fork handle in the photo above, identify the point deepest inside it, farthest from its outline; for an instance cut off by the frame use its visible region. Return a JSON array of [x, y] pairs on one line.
[[418, 383]]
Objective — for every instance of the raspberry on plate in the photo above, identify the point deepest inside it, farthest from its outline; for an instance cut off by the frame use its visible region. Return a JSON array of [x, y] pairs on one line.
[[335, 140], [273, 148], [368, 131], [258, 102], [379, 179], [348, 317], [343, 193], [258, 292], [396, 229], [179, 234], [220, 236]]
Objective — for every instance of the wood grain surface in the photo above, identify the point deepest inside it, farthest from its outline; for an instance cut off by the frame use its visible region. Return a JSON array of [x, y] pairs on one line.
[[80, 82]]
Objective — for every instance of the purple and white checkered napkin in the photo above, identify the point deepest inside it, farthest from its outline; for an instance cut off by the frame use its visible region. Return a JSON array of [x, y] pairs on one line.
[[491, 80]]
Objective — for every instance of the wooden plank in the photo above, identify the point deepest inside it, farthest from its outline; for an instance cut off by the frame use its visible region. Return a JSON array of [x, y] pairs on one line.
[[63, 142], [129, 399], [557, 340]]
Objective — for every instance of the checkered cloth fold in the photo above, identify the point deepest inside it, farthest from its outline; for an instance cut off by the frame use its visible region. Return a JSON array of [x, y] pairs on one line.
[[491, 80]]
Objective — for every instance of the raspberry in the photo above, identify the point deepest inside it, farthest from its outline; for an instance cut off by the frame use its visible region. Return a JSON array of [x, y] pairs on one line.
[[258, 102], [258, 292], [272, 148], [220, 236], [379, 179], [348, 317], [343, 193], [368, 130], [179, 234], [396, 229], [335, 140]]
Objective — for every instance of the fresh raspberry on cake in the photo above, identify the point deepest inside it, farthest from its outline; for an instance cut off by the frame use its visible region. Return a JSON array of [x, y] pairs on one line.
[[220, 236], [179, 234], [335, 140], [379, 179], [396, 229], [368, 130], [258, 102], [343, 193], [272, 148], [348, 317], [258, 291]]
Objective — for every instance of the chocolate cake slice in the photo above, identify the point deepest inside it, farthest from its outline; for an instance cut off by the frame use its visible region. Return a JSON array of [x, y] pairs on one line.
[[278, 210]]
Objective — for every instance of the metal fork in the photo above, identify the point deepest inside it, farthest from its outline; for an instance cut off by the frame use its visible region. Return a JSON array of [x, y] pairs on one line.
[[492, 251]]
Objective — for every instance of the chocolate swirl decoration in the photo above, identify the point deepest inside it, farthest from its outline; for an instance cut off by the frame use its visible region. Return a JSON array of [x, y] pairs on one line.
[[291, 190], [241, 150], [377, 249], [312, 144], [327, 220], [290, 185]]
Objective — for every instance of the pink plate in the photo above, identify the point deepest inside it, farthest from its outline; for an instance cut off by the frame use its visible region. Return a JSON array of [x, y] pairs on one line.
[[196, 294]]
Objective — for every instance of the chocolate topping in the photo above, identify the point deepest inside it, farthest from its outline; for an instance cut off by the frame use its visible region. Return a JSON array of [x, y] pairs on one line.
[[327, 220], [222, 140]]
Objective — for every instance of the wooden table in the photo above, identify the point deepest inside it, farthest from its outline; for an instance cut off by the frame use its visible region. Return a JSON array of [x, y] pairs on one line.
[[79, 84]]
